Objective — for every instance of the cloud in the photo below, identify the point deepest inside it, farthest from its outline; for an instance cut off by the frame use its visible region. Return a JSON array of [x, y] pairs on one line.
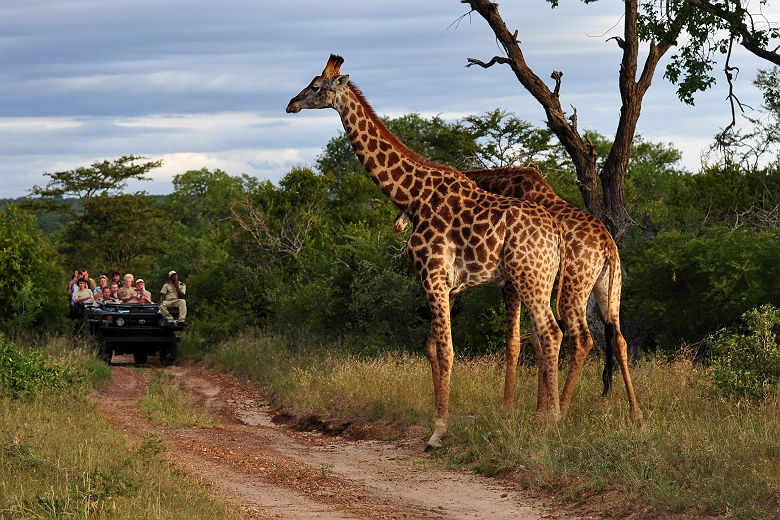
[[203, 81]]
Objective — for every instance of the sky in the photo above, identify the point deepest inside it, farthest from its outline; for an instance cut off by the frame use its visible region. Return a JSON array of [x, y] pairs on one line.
[[204, 84]]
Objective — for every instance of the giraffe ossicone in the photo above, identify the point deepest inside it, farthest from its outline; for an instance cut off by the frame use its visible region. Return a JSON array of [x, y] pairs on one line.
[[463, 237]]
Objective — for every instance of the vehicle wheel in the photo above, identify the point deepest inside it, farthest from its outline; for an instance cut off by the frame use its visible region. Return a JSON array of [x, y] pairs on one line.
[[140, 357], [168, 354], [106, 353]]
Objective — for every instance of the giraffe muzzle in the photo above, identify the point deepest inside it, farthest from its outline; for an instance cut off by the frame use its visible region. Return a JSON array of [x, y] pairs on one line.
[[293, 108]]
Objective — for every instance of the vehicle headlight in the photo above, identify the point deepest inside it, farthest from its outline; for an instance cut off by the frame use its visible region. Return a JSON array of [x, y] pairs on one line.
[[120, 322]]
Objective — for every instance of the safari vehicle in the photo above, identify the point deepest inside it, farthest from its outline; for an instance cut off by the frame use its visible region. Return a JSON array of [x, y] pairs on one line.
[[132, 328]]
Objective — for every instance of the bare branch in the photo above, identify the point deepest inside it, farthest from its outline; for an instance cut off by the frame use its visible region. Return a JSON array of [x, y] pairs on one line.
[[496, 59], [557, 75], [573, 119], [733, 99], [620, 41]]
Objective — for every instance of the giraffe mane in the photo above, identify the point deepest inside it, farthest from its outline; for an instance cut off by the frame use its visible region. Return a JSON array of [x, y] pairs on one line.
[[388, 135]]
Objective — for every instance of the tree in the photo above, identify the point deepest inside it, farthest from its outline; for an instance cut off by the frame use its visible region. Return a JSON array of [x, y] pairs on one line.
[[505, 140], [101, 178], [660, 25], [118, 232], [202, 198], [32, 286]]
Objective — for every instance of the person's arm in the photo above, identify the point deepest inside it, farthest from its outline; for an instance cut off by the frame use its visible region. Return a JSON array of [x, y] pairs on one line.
[[179, 290], [73, 282]]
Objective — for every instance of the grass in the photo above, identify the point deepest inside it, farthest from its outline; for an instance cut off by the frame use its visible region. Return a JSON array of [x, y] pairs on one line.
[[167, 403], [60, 459], [695, 453]]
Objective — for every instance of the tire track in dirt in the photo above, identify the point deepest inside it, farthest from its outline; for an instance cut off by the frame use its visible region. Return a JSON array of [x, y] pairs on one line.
[[264, 470]]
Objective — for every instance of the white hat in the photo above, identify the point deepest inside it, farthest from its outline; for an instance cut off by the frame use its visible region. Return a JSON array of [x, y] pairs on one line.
[[171, 273]]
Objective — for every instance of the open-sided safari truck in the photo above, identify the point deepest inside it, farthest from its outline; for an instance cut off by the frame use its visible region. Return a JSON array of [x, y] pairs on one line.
[[133, 328]]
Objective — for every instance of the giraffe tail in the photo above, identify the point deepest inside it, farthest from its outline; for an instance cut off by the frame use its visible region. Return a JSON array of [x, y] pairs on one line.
[[561, 266], [609, 327], [609, 363]]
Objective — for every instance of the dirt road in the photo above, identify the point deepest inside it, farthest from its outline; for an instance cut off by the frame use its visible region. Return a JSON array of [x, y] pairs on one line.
[[265, 470]]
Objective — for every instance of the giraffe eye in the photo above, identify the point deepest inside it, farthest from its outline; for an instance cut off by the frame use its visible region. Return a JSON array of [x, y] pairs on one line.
[[315, 88]]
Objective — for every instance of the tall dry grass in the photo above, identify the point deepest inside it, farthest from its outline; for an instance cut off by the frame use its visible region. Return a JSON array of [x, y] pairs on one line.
[[60, 459], [694, 453]]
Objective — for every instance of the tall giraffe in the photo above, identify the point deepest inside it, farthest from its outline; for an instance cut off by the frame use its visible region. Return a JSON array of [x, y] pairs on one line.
[[592, 265], [463, 237]]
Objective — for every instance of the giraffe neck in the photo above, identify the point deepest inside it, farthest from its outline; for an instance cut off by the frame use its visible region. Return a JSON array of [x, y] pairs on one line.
[[400, 173]]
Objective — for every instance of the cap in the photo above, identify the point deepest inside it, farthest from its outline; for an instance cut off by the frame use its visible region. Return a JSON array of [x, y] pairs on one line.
[[140, 280], [102, 276], [171, 273]]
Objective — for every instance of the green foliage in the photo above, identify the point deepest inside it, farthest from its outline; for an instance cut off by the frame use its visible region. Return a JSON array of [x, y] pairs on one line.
[[100, 178], [124, 232], [505, 140], [746, 360], [687, 285], [32, 287], [24, 373]]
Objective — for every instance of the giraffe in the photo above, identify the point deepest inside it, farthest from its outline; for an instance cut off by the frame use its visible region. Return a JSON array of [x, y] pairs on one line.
[[592, 265], [463, 237]]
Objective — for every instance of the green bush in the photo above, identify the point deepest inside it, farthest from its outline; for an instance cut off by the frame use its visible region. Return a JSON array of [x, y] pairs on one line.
[[685, 286], [746, 361], [32, 285], [25, 373]]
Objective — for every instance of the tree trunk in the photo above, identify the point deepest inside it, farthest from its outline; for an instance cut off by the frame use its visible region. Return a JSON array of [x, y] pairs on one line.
[[609, 202]]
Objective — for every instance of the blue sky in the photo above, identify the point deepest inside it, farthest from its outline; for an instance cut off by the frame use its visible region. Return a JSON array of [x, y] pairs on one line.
[[205, 84]]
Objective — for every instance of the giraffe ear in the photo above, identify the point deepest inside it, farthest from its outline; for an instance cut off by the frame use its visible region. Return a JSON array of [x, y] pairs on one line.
[[340, 82]]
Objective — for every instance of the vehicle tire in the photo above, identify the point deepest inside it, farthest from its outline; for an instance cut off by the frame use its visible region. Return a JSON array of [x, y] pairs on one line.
[[140, 357], [105, 353], [168, 354]]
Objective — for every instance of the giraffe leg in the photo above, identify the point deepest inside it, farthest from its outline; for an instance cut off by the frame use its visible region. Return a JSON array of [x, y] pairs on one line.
[[549, 338], [513, 306], [620, 348], [541, 389], [581, 344], [610, 310], [440, 354]]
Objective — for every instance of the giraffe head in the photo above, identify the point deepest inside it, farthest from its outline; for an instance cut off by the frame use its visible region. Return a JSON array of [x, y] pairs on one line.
[[323, 88]]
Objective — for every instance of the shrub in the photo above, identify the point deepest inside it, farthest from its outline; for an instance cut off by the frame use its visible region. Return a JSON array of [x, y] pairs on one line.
[[24, 373], [32, 289], [746, 361], [685, 286]]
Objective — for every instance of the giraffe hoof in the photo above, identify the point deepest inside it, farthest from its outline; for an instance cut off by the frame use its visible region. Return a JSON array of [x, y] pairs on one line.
[[430, 447]]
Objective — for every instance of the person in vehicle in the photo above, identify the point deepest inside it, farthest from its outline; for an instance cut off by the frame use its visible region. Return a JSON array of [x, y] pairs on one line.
[[78, 274], [102, 282], [83, 296], [141, 294], [172, 295], [127, 291], [114, 288], [105, 295]]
